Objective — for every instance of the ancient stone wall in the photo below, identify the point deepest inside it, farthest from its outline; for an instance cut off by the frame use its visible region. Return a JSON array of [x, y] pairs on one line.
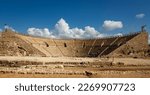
[[11, 45], [16, 44], [134, 47]]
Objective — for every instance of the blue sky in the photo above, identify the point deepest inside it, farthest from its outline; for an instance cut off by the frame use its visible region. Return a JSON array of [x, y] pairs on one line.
[[24, 14]]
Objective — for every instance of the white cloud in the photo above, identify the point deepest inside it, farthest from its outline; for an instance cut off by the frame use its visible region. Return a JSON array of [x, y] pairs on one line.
[[8, 27], [40, 32], [118, 34], [62, 26], [91, 31], [62, 30], [139, 16], [112, 25], [0, 30]]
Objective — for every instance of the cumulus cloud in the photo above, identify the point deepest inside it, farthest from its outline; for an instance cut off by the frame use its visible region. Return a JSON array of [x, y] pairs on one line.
[[139, 16], [112, 25], [63, 30], [62, 25], [118, 34], [40, 32]]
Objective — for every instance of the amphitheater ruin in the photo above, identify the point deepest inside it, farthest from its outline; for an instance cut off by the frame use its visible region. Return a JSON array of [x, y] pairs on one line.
[[117, 56]]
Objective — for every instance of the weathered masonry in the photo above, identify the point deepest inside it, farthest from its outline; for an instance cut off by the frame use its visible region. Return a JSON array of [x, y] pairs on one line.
[[14, 44]]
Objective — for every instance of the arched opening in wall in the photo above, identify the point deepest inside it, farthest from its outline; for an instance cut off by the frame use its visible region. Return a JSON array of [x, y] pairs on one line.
[[47, 45], [83, 46], [77, 51], [21, 48], [65, 45]]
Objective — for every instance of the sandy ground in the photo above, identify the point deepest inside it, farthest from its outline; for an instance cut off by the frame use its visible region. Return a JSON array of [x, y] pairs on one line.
[[132, 68], [104, 74], [133, 61], [47, 59], [126, 61]]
